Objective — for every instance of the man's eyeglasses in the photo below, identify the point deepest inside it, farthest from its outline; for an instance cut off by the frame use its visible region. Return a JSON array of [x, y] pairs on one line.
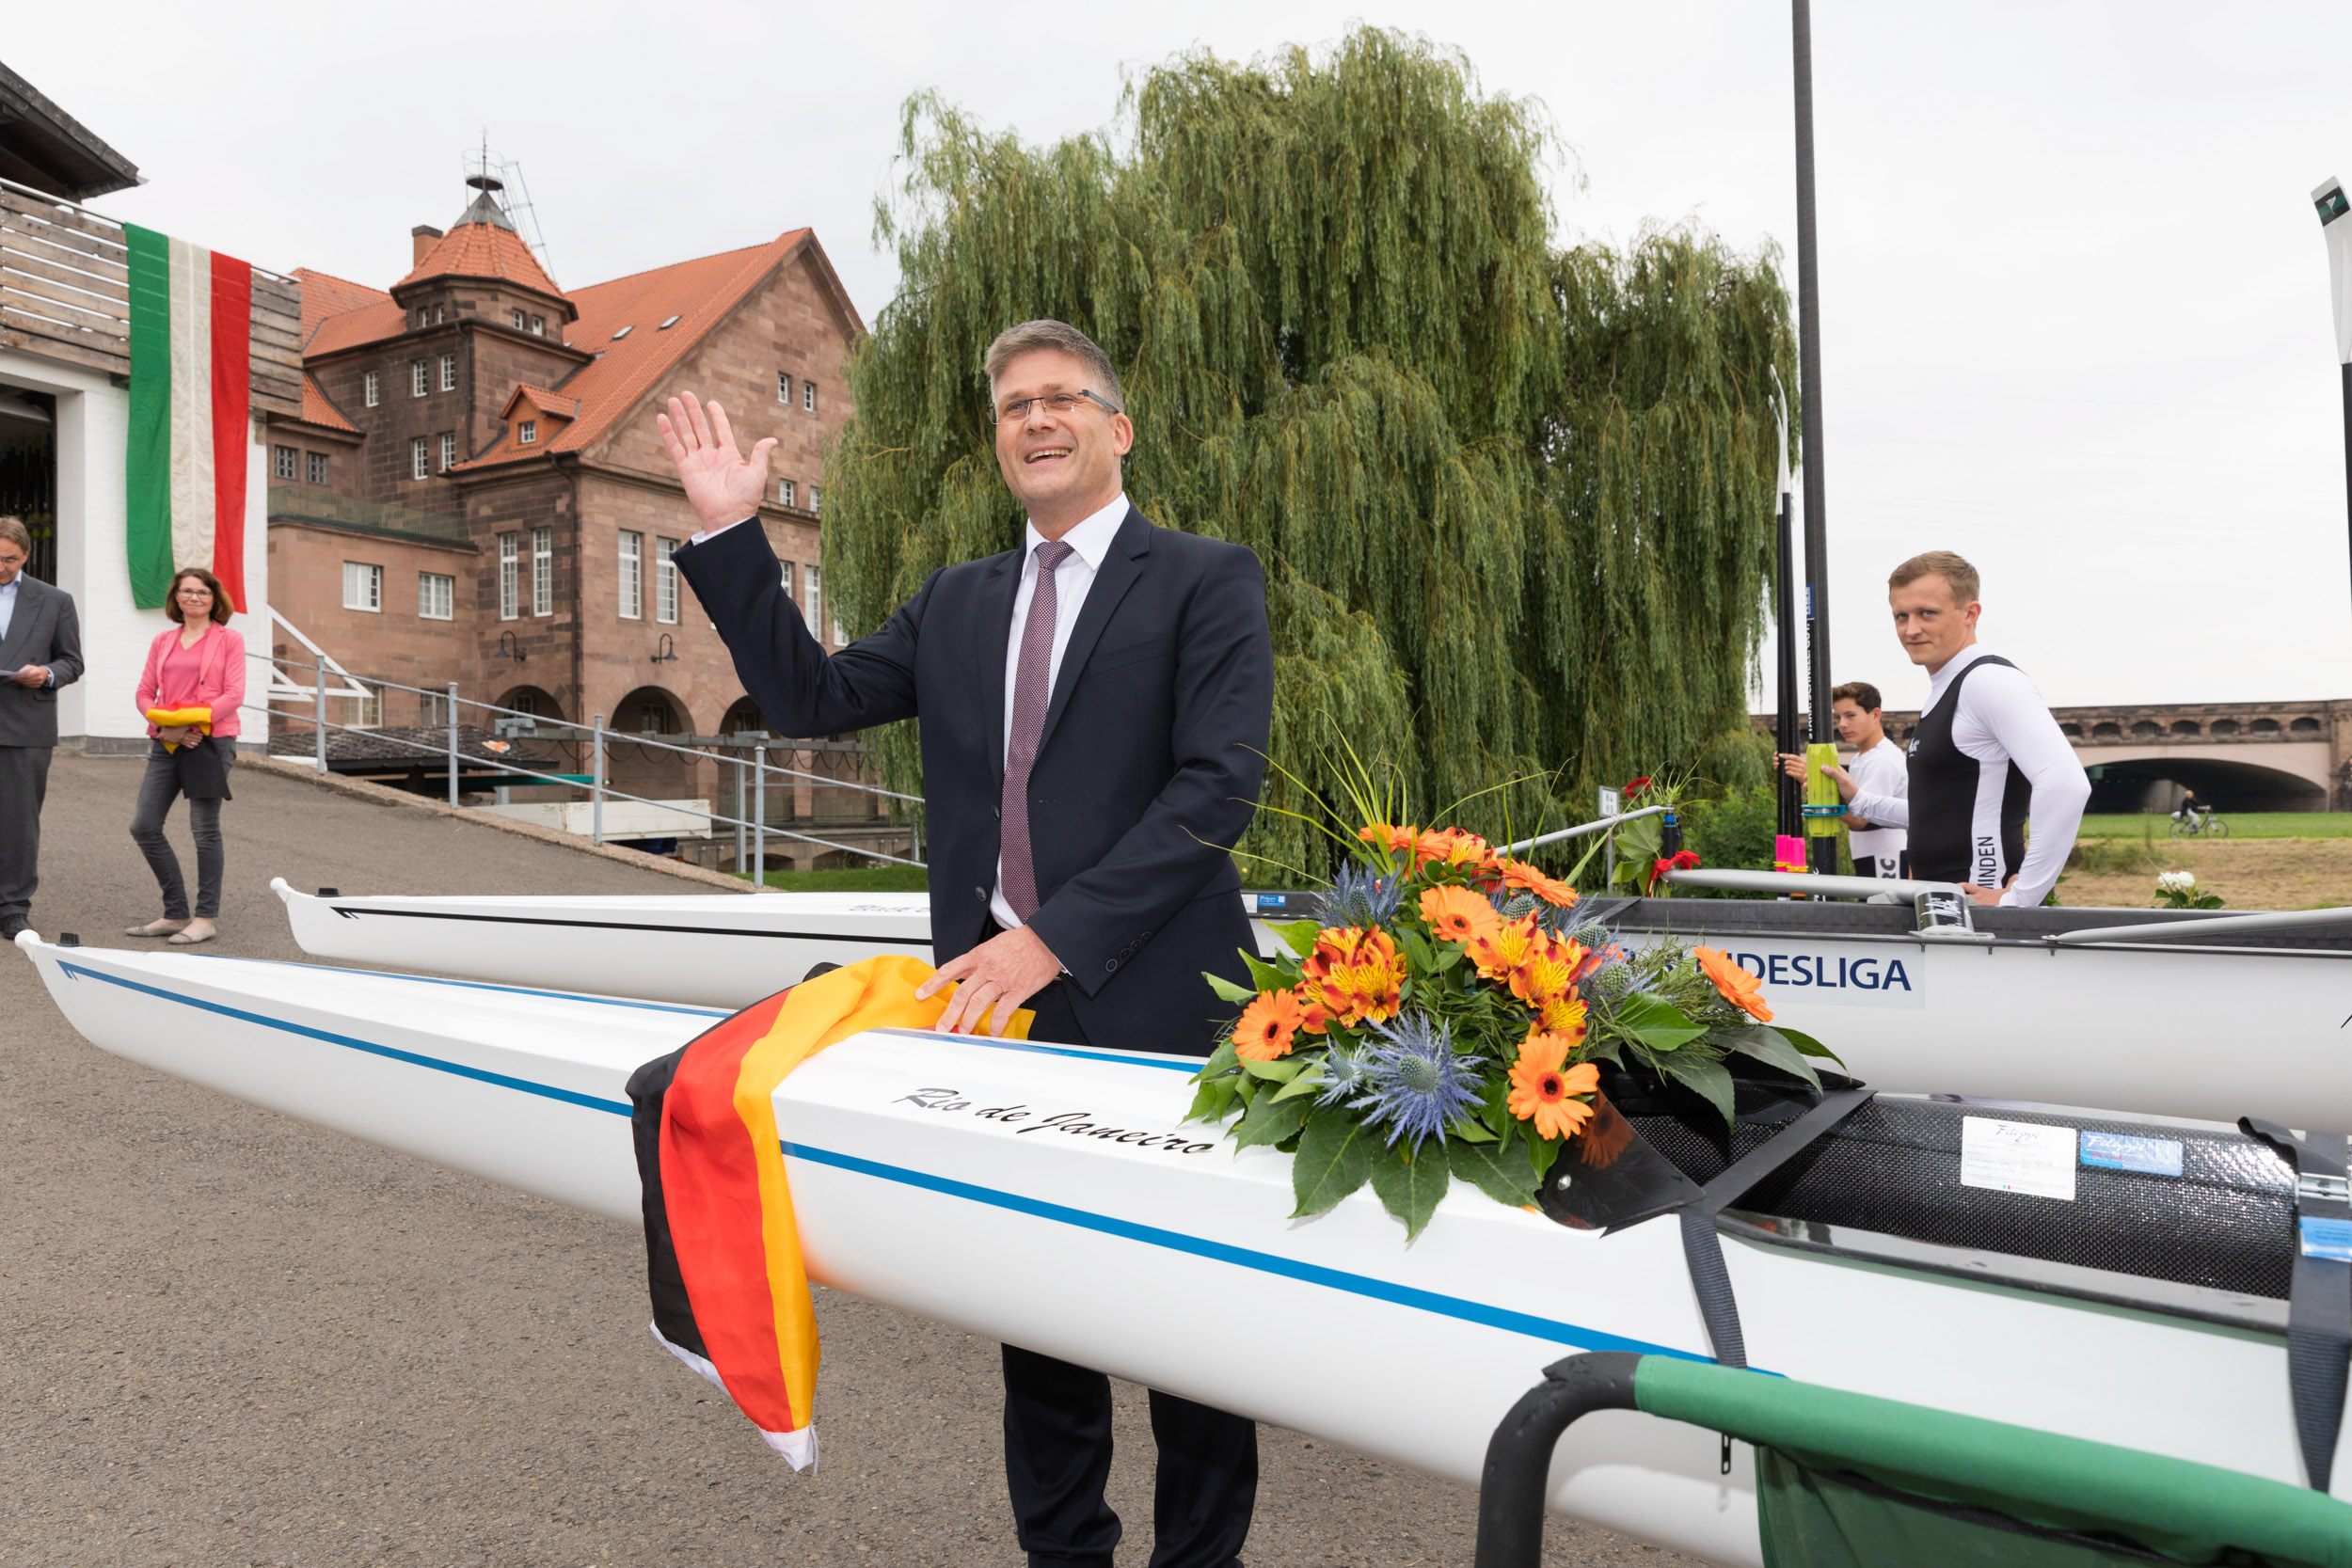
[[1059, 404]]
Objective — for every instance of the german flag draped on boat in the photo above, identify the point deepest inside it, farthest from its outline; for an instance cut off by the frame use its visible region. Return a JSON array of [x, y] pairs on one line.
[[723, 1255]]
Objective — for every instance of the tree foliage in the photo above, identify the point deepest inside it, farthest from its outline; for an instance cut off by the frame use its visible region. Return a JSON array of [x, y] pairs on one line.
[[1515, 502]]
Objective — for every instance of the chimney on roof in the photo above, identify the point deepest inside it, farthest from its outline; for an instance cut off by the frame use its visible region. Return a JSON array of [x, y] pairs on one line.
[[422, 239]]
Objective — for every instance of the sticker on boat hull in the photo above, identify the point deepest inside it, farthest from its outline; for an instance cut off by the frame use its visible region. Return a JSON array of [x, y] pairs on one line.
[[1826, 974]]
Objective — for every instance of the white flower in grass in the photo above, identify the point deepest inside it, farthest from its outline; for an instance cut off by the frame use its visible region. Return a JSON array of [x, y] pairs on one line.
[[2176, 881]]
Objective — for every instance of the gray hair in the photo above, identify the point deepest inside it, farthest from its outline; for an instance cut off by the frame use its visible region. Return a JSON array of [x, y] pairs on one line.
[[13, 531], [1061, 337]]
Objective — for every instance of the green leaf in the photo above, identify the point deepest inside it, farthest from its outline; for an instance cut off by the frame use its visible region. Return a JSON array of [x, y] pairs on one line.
[[1306, 1083], [1334, 1159], [1269, 1121], [1222, 1060], [1226, 989], [1772, 1048], [1297, 935], [1709, 1077], [1411, 1185], [1418, 953], [1659, 1025], [1265, 976], [1276, 1072], [1449, 956], [1214, 1100], [1806, 1043], [1494, 1169], [1472, 1132]]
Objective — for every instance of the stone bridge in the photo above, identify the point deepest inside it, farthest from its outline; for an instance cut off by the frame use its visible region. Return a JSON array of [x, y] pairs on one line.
[[2242, 757]]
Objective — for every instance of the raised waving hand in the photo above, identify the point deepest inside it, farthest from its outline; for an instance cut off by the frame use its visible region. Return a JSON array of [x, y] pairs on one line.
[[721, 484]]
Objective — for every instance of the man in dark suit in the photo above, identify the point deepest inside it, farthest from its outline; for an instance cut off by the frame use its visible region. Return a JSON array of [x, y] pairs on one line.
[[1095, 710], [41, 650]]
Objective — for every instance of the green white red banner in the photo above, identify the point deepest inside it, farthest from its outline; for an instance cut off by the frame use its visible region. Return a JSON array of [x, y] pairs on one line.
[[191, 389]]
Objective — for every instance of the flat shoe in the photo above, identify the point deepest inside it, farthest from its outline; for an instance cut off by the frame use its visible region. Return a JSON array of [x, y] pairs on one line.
[[156, 929], [181, 938]]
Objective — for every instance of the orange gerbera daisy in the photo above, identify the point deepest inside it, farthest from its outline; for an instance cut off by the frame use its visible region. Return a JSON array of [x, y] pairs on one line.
[[1738, 985], [1360, 974], [1526, 878], [1381, 836], [1457, 915], [1544, 1089], [1266, 1025]]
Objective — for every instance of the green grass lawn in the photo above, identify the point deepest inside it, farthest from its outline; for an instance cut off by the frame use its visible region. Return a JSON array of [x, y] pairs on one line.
[[871, 878], [2269, 824]]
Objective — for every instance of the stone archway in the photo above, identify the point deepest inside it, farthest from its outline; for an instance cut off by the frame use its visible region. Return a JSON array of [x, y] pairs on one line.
[[2155, 781], [650, 714]]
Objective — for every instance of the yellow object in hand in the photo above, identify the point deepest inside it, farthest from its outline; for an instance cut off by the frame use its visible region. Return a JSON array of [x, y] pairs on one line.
[[1821, 790], [180, 719]]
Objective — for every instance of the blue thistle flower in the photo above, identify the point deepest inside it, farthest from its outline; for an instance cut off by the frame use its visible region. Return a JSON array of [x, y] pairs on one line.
[[1343, 1076], [1361, 897], [1413, 1081]]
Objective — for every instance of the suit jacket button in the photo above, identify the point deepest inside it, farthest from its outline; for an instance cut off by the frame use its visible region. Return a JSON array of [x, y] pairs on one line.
[[1109, 964], [980, 894]]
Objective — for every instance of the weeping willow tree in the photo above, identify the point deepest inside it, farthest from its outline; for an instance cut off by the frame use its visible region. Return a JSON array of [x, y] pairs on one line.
[[1515, 502]]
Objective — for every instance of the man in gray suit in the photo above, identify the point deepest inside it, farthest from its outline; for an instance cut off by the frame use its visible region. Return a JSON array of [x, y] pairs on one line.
[[41, 650]]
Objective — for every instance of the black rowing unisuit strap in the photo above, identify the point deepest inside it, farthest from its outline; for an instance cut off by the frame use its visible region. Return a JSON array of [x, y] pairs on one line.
[[2319, 1296], [1702, 1250]]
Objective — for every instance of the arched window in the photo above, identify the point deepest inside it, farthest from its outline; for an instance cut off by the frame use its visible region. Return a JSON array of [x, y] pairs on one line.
[[2304, 727], [2146, 728], [2222, 727], [2264, 727], [2185, 726], [2106, 731]]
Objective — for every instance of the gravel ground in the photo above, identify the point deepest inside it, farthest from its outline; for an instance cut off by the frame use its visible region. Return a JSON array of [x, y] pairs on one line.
[[235, 1338]]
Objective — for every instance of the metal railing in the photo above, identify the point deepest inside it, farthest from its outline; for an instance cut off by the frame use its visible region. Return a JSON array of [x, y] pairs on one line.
[[752, 771]]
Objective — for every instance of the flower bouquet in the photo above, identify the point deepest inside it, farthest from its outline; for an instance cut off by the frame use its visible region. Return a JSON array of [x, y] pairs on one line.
[[1445, 1016]]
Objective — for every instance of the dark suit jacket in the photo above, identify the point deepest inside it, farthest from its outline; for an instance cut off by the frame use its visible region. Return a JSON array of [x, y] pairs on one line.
[[45, 631], [1146, 775]]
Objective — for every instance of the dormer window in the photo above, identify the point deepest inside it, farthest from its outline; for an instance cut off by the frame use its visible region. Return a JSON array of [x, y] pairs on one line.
[[622, 333], [527, 432], [517, 317], [538, 327], [667, 324]]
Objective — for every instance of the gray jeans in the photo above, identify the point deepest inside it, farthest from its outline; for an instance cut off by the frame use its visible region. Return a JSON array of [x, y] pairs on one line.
[[156, 792]]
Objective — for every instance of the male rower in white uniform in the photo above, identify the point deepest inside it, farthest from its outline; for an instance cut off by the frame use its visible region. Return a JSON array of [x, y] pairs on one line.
[[1879, 768], [1986, 758]]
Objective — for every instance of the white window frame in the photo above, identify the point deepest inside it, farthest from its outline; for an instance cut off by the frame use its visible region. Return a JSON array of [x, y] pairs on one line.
[[784, 389], [517, 317], [449, 373], [543, 570], [813, 605], [538, 327], [436, 597], [363, 587], [787, 494], [808, 396], [315, 467], [815, 497], [420, 377], [282, 463], [632, 584], [449, 448], [788, 580], [665, 582], [420, 458], [370, 388], [510, 545], [527, 432]]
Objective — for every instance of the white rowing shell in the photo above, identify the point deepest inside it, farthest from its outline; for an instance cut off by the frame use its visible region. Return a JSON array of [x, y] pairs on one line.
[[2180, 1032], [1083, 1221]]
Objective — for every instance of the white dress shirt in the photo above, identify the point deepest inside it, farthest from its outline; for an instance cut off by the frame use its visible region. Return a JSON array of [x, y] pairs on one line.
[[1089, 542], [2002, 720], [8, 604], [1882, 770]]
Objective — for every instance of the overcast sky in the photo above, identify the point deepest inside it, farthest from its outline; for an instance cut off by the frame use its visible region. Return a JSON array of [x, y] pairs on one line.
[[2074, 295]]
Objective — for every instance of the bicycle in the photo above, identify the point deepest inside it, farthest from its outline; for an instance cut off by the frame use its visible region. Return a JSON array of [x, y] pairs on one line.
[[2198, 823]]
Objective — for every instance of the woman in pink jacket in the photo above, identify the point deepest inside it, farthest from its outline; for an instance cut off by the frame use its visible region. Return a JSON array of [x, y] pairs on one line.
[[194, 677]]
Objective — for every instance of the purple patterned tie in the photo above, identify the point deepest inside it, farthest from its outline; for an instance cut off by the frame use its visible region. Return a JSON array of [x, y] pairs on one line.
[[1032, 687]]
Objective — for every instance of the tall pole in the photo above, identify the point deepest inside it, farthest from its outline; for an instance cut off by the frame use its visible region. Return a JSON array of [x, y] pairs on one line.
[[1809, 398], [1810, 388], [2333, 224], [1785, 736]]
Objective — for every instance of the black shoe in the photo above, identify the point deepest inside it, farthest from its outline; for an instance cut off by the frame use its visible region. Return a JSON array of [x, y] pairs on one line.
[[11, 924]]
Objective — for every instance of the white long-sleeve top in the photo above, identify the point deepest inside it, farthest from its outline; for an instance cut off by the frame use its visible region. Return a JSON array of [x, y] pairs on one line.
[[2002, 720]]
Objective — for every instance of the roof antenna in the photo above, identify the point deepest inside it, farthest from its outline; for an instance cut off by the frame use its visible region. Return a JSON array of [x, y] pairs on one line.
[[487, 171]]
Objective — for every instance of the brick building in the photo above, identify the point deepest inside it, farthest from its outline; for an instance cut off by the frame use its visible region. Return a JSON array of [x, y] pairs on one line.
[[475, 491]]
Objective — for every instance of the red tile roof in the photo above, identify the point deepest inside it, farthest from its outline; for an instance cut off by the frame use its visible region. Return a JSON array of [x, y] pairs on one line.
[[554, 404], [483, 250], [317, 410], [324, 295], [699, 293]]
